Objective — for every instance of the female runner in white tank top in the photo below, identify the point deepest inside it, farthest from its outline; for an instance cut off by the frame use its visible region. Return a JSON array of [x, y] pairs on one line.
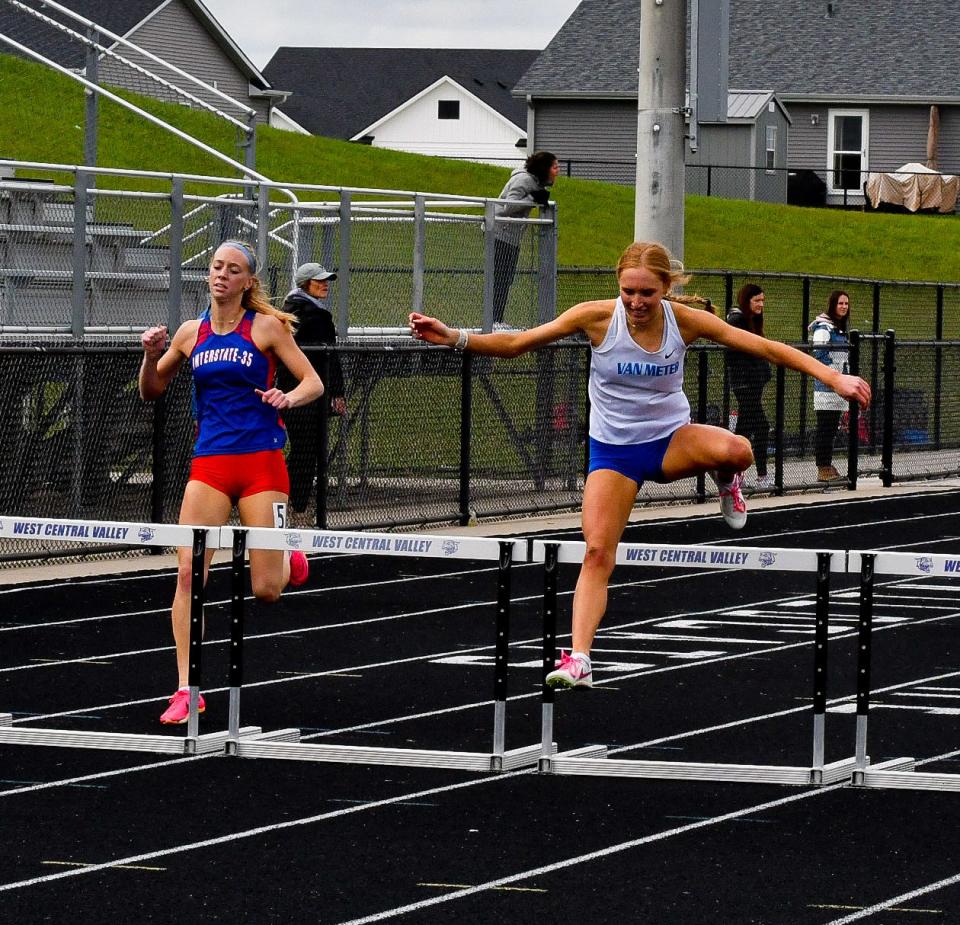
[[639, 418]]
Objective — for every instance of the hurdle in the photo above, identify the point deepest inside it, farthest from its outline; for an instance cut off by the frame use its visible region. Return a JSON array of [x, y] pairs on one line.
[[593, 760], [286, 744], [199, 539], [893, 773]]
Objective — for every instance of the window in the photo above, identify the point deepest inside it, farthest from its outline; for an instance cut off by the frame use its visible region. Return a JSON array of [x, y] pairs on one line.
[[771, 158], [847, 150], [448, 109]]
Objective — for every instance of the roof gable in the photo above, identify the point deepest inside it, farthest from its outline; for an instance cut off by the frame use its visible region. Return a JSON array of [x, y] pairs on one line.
[[440, 82], [863, 48], [117, 16], [339, 92]]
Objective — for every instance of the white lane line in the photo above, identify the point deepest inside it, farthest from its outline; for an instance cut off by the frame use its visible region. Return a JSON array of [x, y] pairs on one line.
[[530, 874], [87, 864], [462, 886], [321, 817], [253, 833], [887, 905], [370, 621], [111, 616], [103, 775], [222, 603], [773, 648]]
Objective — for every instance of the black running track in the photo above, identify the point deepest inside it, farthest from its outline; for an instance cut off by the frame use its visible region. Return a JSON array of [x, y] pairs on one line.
[[691, 665]]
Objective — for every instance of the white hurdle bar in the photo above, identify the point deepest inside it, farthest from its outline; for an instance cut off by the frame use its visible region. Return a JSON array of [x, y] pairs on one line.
[[897, 773], [134, 534], [592, 760], [285, 743]]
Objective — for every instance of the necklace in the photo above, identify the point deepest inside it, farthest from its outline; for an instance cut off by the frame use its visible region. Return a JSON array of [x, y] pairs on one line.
[[225, 324]]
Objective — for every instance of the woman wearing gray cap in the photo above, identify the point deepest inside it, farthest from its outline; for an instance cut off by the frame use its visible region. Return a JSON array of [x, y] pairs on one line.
[[314, 325]]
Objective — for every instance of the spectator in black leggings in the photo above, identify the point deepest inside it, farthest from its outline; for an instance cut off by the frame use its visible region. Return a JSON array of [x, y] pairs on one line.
[[308, 302], [748, 374], [528, 187]]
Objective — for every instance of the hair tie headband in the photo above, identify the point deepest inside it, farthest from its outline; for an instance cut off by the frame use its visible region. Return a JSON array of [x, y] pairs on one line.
[[246, 251]]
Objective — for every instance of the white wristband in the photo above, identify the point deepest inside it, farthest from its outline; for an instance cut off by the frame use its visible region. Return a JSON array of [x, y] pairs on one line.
[[462, 338]]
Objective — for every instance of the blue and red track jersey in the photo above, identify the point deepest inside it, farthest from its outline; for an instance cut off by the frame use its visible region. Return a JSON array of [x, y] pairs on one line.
[[231, 418]]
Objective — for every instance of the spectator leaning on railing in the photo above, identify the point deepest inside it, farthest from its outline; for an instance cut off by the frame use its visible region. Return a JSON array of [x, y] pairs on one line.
[[527, 187]]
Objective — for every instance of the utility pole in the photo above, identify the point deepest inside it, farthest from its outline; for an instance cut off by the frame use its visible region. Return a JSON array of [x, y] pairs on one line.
[[658, 215]]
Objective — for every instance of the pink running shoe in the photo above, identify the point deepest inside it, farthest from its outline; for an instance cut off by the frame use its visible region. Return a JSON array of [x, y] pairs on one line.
[[179, 708], [732, 504], [299, 569], [571, 671]]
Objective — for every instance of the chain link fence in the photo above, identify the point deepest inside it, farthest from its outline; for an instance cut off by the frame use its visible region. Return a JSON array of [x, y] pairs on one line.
[[431, 436], [918, 310]]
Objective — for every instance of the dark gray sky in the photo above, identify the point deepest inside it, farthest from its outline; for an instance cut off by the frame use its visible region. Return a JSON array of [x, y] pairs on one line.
[[259, 27]]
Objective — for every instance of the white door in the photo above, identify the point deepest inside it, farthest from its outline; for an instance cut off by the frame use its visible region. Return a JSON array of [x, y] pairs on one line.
[[847, 151]]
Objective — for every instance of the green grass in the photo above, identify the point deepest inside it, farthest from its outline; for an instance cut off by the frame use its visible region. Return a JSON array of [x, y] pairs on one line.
[[41, 119]]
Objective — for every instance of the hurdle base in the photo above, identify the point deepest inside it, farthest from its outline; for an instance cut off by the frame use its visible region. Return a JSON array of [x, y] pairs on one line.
[[231, 746], [262, 747], [593, 752], [576, 762], [834, 772], [900, 774], [119, 741]]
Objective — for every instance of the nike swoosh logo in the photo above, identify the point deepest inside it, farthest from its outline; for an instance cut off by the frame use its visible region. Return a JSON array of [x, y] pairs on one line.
[[667, 356]]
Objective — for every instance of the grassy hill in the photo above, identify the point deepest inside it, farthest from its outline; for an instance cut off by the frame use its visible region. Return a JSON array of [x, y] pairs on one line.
[[41, 119]]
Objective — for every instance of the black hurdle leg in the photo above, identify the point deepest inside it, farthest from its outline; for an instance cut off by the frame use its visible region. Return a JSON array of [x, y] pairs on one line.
[[235, 680], [863, 663], [549, 652], [196, 636], [502, 649], [820, 643]]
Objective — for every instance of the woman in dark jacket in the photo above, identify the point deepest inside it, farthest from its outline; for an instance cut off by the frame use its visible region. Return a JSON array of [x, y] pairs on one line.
[[314, 325], [748, 375], [527, 187]]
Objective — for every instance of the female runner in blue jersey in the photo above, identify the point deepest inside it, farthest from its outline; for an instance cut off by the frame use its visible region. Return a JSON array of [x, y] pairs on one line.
[[639, 416], [233, 350]]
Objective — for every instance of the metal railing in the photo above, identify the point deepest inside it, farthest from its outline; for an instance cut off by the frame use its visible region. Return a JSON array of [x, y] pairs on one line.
[[66, 39], [93, 249]]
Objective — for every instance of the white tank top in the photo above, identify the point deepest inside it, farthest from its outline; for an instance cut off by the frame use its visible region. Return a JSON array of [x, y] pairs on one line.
[[637, 396]]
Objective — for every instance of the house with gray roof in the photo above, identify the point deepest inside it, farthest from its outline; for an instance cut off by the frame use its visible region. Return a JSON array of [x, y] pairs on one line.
[[441, 101], [857, 78], [181, 32]]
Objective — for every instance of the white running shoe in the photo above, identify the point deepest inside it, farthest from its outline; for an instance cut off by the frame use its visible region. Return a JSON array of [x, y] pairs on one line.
[[764, 483], [732, 503], [571, 671]]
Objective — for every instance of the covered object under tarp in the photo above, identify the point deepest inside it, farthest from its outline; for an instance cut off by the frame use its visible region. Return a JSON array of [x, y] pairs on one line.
[[913, 187]]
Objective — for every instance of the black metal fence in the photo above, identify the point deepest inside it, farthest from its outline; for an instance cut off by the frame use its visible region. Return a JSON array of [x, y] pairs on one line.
[[431, 436], [916, 310]]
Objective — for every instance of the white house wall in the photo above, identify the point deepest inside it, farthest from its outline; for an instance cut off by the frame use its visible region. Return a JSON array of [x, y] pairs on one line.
[[479, 133]]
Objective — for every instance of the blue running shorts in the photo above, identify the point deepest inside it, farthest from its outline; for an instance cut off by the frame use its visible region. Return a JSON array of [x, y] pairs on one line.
[[638, 461]]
